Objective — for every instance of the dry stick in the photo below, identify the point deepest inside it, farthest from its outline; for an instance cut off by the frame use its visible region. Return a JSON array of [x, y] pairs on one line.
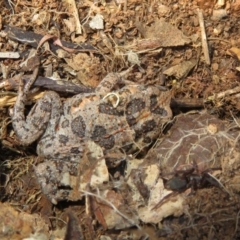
[[9, 55], [224, 94], [125, 6], [204, 37], [220, 39], [76, 16], [236, 225]]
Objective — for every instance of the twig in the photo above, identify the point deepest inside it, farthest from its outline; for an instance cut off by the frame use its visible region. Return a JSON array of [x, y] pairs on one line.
[[76, 16], [219, 39], [236, 225], [187, 103], [33, 39], [125, 6], [9, 55], [204, 37], [224, 94]]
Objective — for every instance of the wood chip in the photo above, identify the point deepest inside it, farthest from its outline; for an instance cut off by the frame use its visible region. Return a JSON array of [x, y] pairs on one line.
[[9, 55]]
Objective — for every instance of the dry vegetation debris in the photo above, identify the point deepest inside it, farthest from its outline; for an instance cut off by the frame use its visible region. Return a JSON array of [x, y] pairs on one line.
[[187, 186]]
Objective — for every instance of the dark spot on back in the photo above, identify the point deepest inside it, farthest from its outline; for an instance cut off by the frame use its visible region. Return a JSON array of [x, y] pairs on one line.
[[78, 126], [107, 108], [148, 126], [136, 105], [100, 137], [75, 150], [63, 139], [131, 120], [154, 108], [63, 160], [138, 134]]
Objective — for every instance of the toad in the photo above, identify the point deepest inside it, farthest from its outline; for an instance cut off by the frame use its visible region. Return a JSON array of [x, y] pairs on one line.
[[122, 121]]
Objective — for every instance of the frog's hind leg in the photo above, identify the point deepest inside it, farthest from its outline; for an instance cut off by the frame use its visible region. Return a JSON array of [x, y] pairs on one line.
[[31, 128]]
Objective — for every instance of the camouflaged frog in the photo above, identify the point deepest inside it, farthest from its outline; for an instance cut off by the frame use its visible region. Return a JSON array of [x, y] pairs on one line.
[[120, 121]]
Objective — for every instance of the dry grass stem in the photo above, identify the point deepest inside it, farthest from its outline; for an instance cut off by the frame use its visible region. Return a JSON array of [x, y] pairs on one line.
[[204, 37]]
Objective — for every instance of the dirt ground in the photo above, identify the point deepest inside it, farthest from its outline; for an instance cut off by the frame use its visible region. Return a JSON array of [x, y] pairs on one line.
[[161, 43]]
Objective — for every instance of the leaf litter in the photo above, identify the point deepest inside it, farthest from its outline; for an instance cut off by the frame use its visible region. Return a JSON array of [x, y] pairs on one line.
[[162, 43]]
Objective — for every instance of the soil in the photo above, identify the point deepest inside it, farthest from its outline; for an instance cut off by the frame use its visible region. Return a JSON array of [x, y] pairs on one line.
[[161, 43]]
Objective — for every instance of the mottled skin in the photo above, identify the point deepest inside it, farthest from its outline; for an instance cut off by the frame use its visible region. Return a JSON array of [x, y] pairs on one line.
[[62, 130]]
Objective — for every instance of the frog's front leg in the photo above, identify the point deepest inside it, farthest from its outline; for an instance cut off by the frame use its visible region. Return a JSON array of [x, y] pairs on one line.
[[31, 128], [59, 179]]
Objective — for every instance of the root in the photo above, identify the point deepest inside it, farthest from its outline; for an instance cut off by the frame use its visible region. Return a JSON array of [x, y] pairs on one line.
[[18, 167]]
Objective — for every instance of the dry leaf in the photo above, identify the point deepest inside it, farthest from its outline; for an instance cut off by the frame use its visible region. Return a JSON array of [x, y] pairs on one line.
[[88, 68], [181, 70], [219, 14], [234, 51], [168, 35], [108, 216], [70, 23], [15, 225]]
